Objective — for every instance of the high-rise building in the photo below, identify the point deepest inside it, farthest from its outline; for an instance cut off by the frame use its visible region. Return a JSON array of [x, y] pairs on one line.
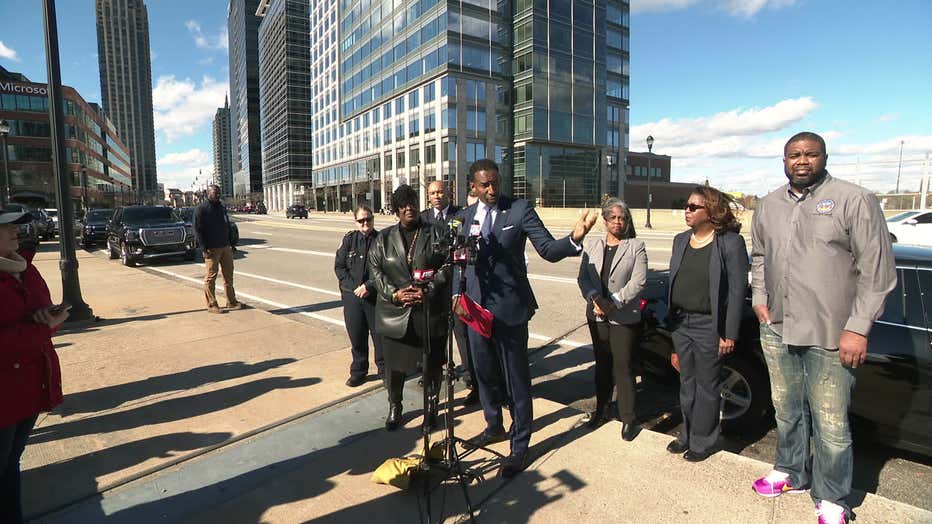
[[284, 102], [223, 153], [243, 31], [126, 84], [416, 90]]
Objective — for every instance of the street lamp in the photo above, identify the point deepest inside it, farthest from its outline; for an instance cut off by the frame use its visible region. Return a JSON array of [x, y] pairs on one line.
[[83, 188], [612, 176], [898, 166], [4, 131], [650, 146]]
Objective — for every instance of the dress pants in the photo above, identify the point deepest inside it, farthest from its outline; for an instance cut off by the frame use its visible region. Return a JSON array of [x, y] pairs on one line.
[[359, 317], [219, 261], [696, 342], [613, 346], [504, 379], [12, 444]]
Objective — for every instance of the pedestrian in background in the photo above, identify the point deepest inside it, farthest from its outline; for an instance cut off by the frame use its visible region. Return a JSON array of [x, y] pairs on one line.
[[30, 376], [612, 276], [212, 228], [357, 291], [708, 283], [822, 267]]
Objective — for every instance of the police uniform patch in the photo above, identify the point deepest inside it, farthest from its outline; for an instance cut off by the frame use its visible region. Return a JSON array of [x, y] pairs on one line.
[[825, 206]]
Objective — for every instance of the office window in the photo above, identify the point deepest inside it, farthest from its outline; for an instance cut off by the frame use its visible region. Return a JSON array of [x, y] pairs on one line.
[[474, 151], [414, 127], [387, 134], [400, 159], [388, 161], [399, 104], [430, 121], [429, 93], [399, 131], [413, 99]]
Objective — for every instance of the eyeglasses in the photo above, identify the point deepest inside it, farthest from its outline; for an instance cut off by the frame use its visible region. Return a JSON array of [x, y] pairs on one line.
[[363, 220], [692, 208]]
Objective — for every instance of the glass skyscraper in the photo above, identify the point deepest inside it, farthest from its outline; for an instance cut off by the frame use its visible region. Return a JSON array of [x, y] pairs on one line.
[[284, 101], [409, 91], [243, 31], [223, 163]]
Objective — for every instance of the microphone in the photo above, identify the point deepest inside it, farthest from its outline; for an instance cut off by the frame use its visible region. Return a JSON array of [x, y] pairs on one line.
[[475, 230]]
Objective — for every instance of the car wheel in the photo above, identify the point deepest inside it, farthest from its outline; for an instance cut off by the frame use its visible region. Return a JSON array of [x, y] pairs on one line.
[[892, 238], [111, 253], [745, 402], [125, 258]]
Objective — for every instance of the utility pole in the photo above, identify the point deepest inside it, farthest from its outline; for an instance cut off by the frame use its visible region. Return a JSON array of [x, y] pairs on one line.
[[898, 166]]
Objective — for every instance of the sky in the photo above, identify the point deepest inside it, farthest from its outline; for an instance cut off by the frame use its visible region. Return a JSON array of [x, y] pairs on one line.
[[719, 84]]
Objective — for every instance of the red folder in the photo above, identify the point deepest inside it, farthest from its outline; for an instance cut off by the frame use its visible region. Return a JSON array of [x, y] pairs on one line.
[[476, 317]]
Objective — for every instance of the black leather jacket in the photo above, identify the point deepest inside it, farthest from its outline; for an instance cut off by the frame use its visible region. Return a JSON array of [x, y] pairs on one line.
[[351, 262], [389, 271]]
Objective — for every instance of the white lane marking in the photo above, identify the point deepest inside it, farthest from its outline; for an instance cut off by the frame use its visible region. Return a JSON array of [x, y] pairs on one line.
[[267, 302], [286, 283]]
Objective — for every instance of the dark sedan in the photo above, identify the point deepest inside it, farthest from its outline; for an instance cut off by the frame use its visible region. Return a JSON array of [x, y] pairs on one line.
[[296, 211], [892, 398]]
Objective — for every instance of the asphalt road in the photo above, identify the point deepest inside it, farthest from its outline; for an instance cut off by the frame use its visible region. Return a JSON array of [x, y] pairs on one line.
[[286, 267]]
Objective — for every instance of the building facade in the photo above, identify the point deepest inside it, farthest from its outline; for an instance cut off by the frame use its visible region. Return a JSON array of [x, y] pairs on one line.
[[664, 193], [98, 162], [243, 31], [416, 90], [223, 152], [284, 102], [126, 84]]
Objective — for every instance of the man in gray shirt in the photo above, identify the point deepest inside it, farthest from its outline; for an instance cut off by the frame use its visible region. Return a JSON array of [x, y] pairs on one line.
[[822, 266]]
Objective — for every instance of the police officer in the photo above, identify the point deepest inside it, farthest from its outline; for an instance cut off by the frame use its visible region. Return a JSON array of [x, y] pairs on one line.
[[358, 294]]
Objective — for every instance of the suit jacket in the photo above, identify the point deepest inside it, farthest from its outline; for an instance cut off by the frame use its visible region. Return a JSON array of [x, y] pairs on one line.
[[728, 278], [389, 271], [498, 280], [625, 282], [451, 211]]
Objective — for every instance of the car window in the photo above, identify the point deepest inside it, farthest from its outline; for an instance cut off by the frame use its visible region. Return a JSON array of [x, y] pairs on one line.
[[924, 277], [894, 307], [98, 216], [902, 216], [912, 297], [924, 219], [144, 214]]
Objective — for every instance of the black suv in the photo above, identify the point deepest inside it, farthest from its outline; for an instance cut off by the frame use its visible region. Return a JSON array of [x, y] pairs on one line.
[[94, 226], [295, 211], [891, 398], [143, 232]]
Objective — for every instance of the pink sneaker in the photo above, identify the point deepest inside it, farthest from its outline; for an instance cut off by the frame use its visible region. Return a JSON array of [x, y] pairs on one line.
[[776, 483], [831, 513]]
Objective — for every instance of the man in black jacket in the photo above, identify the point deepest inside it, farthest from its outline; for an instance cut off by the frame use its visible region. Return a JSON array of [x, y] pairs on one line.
[[358, 294], [441, 211], [212, 228]]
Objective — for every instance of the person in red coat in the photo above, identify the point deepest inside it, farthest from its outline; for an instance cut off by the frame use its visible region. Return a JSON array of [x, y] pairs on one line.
[[30, 376]]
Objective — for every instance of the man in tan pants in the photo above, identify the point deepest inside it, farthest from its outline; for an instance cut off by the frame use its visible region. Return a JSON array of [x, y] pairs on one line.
[[212, 227]]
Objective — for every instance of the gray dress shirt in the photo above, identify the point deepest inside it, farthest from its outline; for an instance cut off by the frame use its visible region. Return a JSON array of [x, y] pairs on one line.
[[822, 262]]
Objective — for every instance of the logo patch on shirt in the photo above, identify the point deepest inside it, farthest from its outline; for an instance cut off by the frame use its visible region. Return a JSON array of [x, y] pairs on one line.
[[825, 206]]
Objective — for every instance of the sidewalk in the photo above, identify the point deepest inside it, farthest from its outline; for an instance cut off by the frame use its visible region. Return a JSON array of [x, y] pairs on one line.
[[178, 415]]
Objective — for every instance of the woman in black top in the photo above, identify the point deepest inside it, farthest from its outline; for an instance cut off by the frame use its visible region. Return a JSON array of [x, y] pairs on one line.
[[708, 282], [398, 252]]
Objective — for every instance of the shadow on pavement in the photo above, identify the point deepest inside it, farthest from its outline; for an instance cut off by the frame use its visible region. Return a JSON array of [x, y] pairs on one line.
[[104, 322], [113, 396], [309, 308], [178, 408], [53, 486]]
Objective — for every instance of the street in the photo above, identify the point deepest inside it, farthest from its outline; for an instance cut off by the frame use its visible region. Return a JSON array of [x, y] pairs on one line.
[[286, 267]]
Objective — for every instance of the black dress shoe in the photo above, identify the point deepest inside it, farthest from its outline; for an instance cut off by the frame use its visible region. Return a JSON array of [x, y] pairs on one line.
[[471, 398], [695, 456], [488, 437], [393, 420], [677, 447], [600, 416], [629, 431], [355, 380], [512, 465]]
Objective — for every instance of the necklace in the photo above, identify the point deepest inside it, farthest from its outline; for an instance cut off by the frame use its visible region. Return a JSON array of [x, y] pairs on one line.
[[411, 247], [703, 240]]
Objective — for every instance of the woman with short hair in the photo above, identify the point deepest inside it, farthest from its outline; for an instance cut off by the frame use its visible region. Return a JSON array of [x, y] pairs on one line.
[[612, 275]]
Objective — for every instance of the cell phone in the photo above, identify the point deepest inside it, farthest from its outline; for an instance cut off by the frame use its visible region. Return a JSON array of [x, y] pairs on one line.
[[56, 309]]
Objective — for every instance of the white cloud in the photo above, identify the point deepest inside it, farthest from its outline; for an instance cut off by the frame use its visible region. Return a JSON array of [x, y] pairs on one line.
[[8, 53], [182, 108], [739, 8], [888, 117], [178, 170], [202, 41]]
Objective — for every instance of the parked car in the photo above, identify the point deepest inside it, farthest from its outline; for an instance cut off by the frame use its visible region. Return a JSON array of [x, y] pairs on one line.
[[186, 215], [891, 398], [296, 211], [94, 226], [261, 209], [53, 216], [138, 233], [911, 227], [250, 207], [38, 228]]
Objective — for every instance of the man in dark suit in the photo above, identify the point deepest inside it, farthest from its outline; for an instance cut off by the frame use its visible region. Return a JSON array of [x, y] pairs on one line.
[[498, 282], [441, 211]]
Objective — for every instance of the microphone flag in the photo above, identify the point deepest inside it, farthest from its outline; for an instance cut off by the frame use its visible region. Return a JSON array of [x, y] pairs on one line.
[[476, 317]]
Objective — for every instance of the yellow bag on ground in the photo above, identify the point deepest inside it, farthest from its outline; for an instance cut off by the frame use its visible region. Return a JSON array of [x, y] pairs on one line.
[[398, 471]]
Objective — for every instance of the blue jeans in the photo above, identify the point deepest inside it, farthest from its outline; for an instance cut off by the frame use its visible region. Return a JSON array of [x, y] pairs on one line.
[[12, 444], [811, 392]]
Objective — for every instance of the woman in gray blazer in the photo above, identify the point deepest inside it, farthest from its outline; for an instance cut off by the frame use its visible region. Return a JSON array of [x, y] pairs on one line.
[[612, 277]]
